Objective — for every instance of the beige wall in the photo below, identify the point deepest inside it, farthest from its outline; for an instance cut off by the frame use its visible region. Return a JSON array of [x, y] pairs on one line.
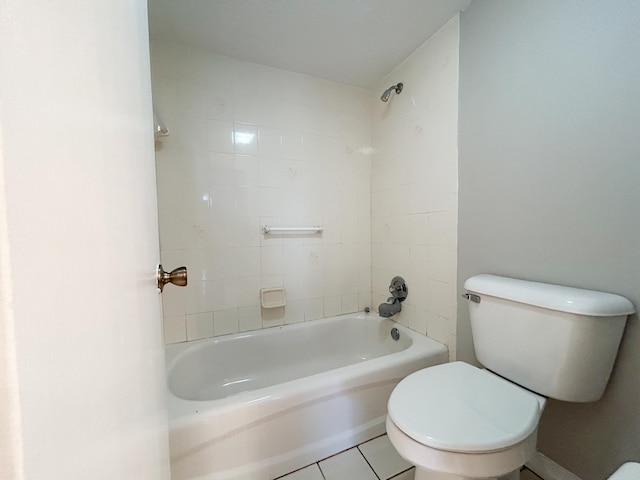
[[414, 186], [548, 170]]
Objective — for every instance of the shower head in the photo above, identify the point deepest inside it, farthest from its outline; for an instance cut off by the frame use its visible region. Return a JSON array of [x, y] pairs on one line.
[[387, 93]]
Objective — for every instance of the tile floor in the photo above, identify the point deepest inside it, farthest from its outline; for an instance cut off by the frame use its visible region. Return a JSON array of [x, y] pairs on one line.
[[372, 460]]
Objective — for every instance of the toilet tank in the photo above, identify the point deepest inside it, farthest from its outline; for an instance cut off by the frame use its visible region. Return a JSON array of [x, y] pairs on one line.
[[558, 341]]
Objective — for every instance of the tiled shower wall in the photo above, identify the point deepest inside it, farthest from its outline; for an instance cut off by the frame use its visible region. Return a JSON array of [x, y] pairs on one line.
[[249, 146], [415, 185]]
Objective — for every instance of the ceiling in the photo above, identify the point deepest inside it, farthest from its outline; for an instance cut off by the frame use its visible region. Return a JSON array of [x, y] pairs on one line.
[[356, 42]]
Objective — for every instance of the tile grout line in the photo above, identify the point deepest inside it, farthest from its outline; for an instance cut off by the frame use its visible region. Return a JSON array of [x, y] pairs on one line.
[[321, 472], [357, 447], [367, 460], [398, 474]]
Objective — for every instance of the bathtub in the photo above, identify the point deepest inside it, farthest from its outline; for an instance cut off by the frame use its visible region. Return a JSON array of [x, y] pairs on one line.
[[262, 404]]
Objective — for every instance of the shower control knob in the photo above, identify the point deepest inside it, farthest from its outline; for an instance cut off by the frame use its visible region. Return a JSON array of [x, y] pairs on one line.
[[398, 288], [177, 276]]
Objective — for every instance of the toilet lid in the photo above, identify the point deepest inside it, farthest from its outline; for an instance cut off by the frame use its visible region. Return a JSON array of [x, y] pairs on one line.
[[461, 408]]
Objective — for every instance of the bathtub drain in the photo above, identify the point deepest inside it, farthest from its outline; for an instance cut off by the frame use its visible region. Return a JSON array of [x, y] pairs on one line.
[[395, 334]]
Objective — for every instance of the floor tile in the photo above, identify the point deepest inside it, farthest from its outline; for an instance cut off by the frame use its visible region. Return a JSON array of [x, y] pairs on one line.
[[349, 465], [383, 457], [408, 475], [312, 472]]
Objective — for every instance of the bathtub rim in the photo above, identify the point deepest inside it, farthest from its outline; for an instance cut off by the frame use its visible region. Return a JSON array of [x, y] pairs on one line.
[[274, 398]]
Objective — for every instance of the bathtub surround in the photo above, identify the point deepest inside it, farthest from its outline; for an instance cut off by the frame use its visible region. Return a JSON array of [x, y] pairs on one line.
[[549, 109], [414, 186], [253, 146]]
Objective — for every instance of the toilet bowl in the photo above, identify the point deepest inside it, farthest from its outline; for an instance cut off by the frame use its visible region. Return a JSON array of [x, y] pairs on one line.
[[459, 422], [456, 421]]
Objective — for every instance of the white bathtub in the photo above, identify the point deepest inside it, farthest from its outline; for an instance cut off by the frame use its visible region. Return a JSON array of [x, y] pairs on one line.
[[262, 404]]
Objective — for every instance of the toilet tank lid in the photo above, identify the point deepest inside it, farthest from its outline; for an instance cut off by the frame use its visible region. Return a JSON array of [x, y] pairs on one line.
[[554, 297]]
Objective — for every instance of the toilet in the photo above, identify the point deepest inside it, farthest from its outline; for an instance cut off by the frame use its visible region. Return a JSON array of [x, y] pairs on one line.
[[628, 471], [459, 422]]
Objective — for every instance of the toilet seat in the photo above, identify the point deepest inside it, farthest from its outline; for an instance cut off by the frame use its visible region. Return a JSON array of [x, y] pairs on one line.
[[457, 407]]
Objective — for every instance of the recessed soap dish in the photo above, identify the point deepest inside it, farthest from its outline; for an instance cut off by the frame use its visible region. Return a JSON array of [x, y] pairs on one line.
[[272, 297]]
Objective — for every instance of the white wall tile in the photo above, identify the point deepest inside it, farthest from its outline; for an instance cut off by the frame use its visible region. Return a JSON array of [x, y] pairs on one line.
[[225, 322], [175, 329], [442, 263], [240, 155], [413, 181], [349, 281], [190, 102], [270, 201], [220, 103], [248, 291], [246, 168], [313, 282], [442, 231], [364, 301], [245, 139], [222, 169], [272, 260], [199, 325], [246, 261], [292, 145], [220, 136], [294, 312], [349, 303], [249, 319], [438, 327], [269, 142], [332, 284], [270, 281], [313, 309], [332, 306], [438, 297], [294, 286], [200, 297], [224, 292]]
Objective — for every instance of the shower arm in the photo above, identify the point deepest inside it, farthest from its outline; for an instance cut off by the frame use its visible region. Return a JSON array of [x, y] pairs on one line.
[[387, 93], [398, 88]]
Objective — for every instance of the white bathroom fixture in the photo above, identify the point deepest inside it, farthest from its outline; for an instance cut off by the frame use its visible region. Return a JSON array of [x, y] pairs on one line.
[[257, 405], [536, 340], [272, 297], [628, 471], [266, 229]]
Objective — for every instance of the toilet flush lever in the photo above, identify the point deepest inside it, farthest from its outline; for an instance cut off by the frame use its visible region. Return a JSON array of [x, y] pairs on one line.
[[177, 277], [470, 296]]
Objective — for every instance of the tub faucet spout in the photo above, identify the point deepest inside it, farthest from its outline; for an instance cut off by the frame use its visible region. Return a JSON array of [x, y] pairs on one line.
[[389, 309]]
